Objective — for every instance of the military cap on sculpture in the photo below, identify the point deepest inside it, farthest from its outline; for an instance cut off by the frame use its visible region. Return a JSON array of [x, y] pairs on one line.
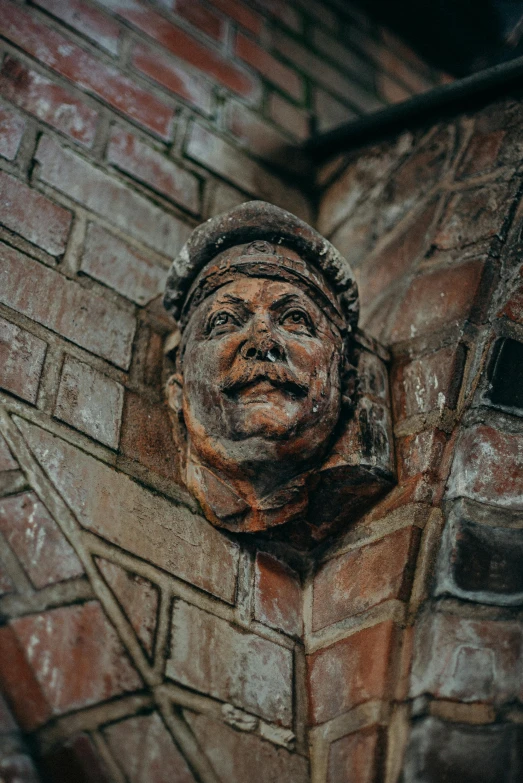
[[263, 389]]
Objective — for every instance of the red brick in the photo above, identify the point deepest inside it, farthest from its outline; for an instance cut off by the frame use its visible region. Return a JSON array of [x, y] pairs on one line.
[[19, 684], [118, 265], [289, 117], [30, 214], [75, 655], [398, 257], [241, 13], [86, 20], [18, 768], [277, 595], [138, 598], [105, 195], [147, 524], [330, 112], [438, 299], [63, 306], [361, 578], [7, 721], [7, 461], [82, 68], [174, 76], [147, 436], [202, 17], [12, 128], [271, 68], [238, 757], [420, 453], [513, 309], [184, 46], [90, 401], [22, 359], [349, 672], [283, 12], [37, 541], [261, 139], [488, 467], [132, 156], [224, 159], [468, 660], [354, 758], [48, 101], [481, 154], [472, 216], [145, 751], [427, 383], [75, 759], [210, 655]]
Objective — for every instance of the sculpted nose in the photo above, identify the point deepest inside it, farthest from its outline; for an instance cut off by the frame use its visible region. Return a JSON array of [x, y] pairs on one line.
[[261, 346]]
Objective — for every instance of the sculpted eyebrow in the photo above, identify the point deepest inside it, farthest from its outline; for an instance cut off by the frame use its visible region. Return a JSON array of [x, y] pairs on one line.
[[286, 299], [230, 299]]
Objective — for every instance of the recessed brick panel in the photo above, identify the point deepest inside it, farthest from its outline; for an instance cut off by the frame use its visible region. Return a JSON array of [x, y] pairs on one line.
[[65, 307], [210, 655], [364, 577], [349, 672], [33, 216], [109, 197], [12, 128], [277, 596], [48, 101], [44, 552], [147, 524], [90, 401], [21, 359], [353, 758]]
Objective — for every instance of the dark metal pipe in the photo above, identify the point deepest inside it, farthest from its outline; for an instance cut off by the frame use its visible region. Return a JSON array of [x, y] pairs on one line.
[[429, 107]]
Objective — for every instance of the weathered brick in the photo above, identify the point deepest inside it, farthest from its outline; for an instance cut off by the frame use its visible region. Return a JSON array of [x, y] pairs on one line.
[[481, 154], [361, 578], [63, 306], [18, 768], [19, 684], [7, 461], [345, 58], [33, 216], [277, 595], [174, 76], [212, 656], [6, 586], [467, 660], [354, 237], [262, 139], [22, 359], [241, 13], [472, 216], [183, 45], [137, 596], [87, 20], [85, 70], [455, 753], [145, 751], [420, 453], [48, 101], [75, 655], [7, 721], [353, 758], [427, 383], [147, 435], [398, 257], [225, 198], [146, 524], [12, 128], [224, 159], [90, 401], [329, 112], [106, 196], [237, 756], [37, 541], [199, 15], [75, 759], [438, 299], [513, 308], [113, 262], [284, 13], [349, 672], [269, 67], [488, 466], [289, 117], [132, 156]]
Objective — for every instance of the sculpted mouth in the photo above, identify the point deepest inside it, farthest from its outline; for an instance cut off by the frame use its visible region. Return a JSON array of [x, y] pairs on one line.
[[261, 386]]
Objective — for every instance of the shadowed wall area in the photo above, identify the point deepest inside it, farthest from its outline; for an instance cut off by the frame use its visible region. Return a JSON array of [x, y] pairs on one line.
[[138, 644]]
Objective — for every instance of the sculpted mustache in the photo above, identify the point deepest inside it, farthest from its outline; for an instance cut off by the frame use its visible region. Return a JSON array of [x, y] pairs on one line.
[[277, 374]]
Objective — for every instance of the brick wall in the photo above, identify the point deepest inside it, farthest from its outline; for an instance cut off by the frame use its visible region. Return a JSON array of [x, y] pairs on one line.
[[138, 643], [427, 587]]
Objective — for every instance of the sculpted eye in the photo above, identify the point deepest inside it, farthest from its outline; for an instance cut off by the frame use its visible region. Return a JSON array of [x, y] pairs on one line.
[[221, 321], [297, 321]]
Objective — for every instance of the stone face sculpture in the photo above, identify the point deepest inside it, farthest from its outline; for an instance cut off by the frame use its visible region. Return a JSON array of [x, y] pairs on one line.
[[268, 415]]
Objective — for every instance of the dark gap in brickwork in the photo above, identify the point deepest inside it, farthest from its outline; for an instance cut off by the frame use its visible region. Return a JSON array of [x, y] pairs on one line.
[[488, 559], [506, 375]]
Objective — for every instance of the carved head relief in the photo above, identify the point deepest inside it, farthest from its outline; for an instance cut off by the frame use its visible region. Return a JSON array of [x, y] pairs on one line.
[[263, 388]]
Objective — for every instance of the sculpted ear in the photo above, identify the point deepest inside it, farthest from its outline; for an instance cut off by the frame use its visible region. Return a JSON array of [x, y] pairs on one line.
[[174, 394]]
